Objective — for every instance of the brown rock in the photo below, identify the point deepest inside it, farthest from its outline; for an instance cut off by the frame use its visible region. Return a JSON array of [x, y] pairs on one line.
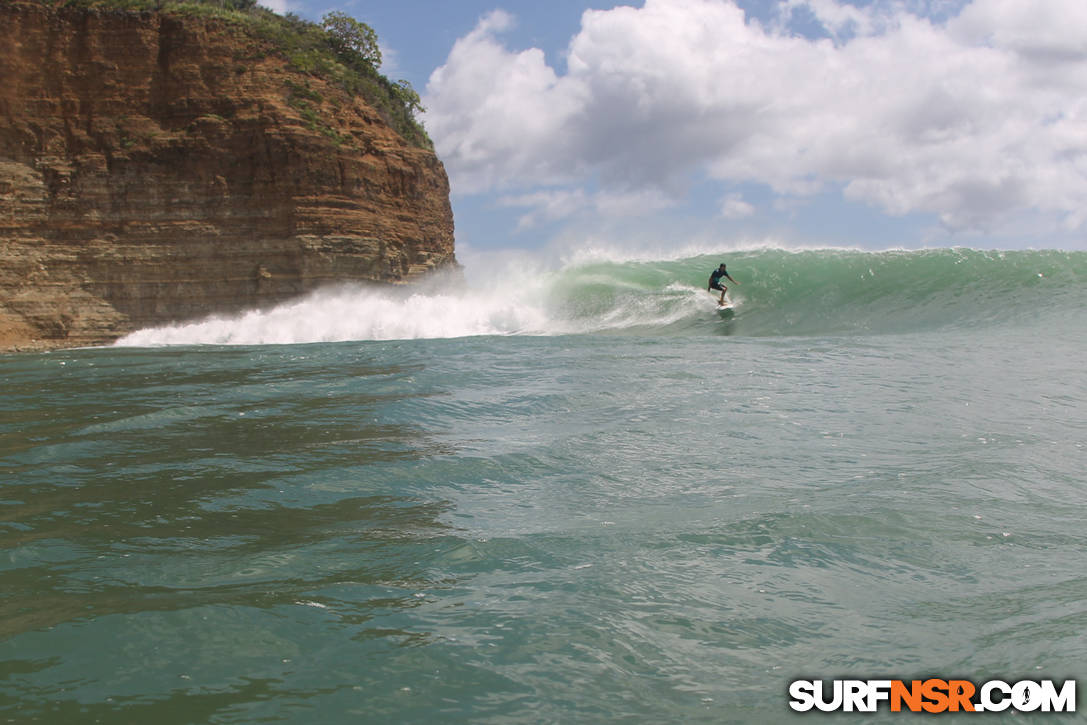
[[155, 168]]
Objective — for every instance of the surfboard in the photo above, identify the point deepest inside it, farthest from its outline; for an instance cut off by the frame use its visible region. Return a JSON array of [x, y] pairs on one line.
[[724, 310]]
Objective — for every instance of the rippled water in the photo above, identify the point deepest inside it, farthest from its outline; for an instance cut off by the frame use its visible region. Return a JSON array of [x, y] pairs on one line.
[[624, 525], [525, 529]]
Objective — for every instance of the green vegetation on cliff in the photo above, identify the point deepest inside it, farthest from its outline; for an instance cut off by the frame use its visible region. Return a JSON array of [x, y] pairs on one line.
[[339, 49]]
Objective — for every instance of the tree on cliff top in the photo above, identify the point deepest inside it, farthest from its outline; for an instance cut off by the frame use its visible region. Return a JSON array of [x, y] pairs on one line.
[[351, 39]]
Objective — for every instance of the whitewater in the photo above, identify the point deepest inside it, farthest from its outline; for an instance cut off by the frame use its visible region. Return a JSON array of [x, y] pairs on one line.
[[783, 292], [559, 489]]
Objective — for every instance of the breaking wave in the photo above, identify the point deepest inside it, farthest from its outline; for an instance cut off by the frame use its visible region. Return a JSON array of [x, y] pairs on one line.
[[782, 292]]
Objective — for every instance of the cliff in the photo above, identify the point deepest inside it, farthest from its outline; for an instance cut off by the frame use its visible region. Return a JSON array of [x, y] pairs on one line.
[[157, 167]]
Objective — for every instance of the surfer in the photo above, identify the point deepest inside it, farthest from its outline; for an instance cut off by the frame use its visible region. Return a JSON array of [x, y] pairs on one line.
[[715, 282]]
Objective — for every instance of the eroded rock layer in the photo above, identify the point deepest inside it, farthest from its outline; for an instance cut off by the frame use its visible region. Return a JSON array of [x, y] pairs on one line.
[[156, 168]]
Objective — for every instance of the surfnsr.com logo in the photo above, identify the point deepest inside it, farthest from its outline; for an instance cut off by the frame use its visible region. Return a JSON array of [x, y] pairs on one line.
[[932, 696]]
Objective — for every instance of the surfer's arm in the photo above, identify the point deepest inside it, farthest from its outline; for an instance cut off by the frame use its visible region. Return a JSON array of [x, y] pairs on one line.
[[730, 279]]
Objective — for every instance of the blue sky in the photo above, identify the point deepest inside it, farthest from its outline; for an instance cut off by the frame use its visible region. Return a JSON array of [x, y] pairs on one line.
[[882, 123]]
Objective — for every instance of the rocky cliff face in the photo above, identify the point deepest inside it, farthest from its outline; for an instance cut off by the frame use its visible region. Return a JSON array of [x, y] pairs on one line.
[[157, 168]]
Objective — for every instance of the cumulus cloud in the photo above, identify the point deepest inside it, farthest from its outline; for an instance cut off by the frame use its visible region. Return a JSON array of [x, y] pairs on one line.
[[557, 204], [968, 117], [545, 206], [498, 114], [734, 207], [276, 6]]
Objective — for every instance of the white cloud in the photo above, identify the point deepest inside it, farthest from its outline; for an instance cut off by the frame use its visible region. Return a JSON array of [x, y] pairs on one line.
[[839, 18], [494, 113], [969, 118], [1045, 29], [560, 204], [546, 206], [276, 6], [390, 60], [734, 207]]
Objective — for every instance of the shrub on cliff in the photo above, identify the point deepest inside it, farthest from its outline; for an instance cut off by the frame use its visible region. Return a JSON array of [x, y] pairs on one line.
[[341, 49], [351, 39]]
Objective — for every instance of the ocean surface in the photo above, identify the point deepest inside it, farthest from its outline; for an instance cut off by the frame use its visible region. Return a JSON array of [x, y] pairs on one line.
[[579, 494]]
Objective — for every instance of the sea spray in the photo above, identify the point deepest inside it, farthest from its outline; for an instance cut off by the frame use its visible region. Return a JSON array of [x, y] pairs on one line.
[[781, 292], [355, 313]]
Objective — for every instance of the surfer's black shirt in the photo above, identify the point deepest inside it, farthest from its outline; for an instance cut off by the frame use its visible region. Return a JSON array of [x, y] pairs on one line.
[[715, 278]]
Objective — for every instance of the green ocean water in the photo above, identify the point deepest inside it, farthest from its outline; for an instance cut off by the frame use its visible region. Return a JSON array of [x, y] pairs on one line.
[[579, 496]]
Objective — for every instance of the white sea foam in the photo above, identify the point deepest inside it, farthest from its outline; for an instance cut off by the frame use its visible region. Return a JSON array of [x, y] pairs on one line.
[[359, 313], [518, 294]]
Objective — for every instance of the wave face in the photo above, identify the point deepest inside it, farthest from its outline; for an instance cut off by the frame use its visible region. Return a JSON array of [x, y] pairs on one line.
[[781, 292]]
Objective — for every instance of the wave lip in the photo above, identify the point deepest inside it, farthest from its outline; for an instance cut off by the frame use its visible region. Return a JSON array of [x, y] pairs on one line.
[[781, 292]]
